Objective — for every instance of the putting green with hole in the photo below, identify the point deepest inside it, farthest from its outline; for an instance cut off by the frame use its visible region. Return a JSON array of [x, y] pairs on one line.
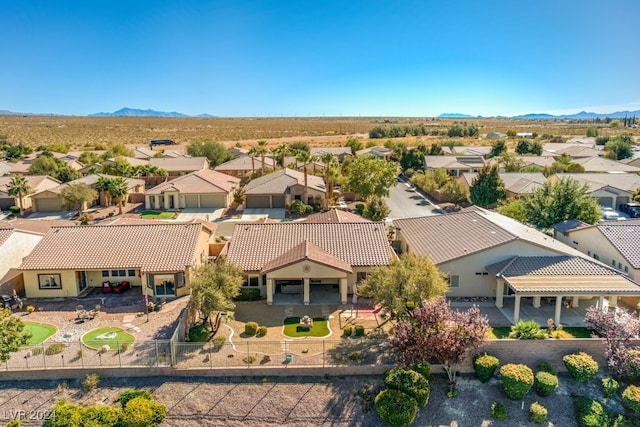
[[113, 337], [293, 329], [40, 332]]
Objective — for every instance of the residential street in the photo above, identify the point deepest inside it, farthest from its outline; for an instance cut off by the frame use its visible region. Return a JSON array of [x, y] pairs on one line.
[[406, 202]]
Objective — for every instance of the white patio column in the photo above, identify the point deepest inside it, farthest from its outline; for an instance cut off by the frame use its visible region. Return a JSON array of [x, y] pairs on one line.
[[157, 197], [536, 302], [575, 302], [270, 291], [147, 202], [500, 293], [516, 309], [613, 300], [343, 291], [556, 318], [305, 287], [165, 201], [601, 303]]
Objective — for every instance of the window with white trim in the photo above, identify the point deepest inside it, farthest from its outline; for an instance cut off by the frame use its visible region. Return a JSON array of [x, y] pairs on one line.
[[454, 281]]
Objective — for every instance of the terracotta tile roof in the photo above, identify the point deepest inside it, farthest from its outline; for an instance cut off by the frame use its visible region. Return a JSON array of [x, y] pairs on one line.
[[446, 237], [562, 275], [279, 182], [334, 216], [180, 164], [625, 237], [516, 182], [622, 181], [39, 226], [36, 182], [150, 248], [600, 164], [199, 182], [306, 251], [243, 163], [254, 245], [569, 225], [5, 231], [92, 179]]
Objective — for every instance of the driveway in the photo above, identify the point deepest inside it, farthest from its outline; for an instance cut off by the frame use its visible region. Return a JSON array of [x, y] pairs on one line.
[[49, 216], [407, 202], [257, 214], [206, 214]]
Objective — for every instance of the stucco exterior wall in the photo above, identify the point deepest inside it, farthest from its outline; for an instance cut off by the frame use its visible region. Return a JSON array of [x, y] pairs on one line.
[[67, 281]]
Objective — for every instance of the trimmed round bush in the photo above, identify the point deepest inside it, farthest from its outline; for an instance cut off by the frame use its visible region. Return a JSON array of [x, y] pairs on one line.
[[262, 331], [547, 367], [141, 412], [517, 380], [485, 366], [396, 408], [359, 330], [409, 382], [610, 386], [581, 366], [631, 398], [590, 413], [423, 368], [347, 331], [55, 348], [546, 383], [250, 328], [498, 411], [101, 415], [537, 413], [132, 393], [198, 333]]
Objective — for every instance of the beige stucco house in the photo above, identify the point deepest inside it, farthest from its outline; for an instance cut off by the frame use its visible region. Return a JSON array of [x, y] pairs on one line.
[[609, 189], [14, 246], [308, 261], [160, 258], [37, 183], [277, 189], [486, 254]]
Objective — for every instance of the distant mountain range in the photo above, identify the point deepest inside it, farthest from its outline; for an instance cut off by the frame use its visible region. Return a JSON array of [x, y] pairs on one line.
[[135, 112], [542, 116]]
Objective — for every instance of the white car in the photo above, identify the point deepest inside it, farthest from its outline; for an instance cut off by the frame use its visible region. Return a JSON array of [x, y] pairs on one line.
[[609, 214]]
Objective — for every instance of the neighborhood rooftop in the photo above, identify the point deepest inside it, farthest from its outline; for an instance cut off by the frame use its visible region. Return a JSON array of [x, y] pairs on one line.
[[624, 236]]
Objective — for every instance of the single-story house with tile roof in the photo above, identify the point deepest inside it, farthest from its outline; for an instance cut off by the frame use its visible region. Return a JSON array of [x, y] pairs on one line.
[[178, 166], [541, 161], [311, 262], [604, 165], [334, 216], [516, 183], [50, 200], [245, 166], [278, 189], [160, 258], [609, 189], [205, 188], [5, 168], [338, 153], [454, 165], [462, 150], [475, 247], [37, 183], [576, 151], [14, 246], [634, 161], [379, 152]]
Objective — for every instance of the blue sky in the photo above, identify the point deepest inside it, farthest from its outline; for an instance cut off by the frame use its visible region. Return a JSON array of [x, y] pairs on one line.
[[331, 57]]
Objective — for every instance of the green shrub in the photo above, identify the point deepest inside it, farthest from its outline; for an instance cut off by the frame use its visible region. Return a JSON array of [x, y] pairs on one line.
[[423, 368], [537, 413], [610, 386], [517, 380], [14, 209], [141, 412], [55, 348], [132, 393], [91, 382], [66, 414], [347, 331], [248, 294], [409, 382], [14, 423], [396, 408], [199, 333], [621, 421], [631, 398], [528, 330], [485, 366], [359, 330], [251, 328], [262, 331], [360, 208], [546, 383], [218, 343], [590, 413], [547, 367], [581, 366], [101, 415], [36, 351], [498, 411]]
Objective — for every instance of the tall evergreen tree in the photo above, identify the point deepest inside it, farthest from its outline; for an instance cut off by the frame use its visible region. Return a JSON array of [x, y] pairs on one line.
[[487, 188]]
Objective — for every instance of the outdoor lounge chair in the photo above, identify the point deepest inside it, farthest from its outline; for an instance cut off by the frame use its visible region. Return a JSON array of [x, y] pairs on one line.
[[106, 287], [120, 287], [288, 358]]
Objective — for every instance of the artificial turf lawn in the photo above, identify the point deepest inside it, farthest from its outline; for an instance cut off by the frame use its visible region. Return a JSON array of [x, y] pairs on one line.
[[90, 338], [156, 215], [39, 332], [292, 328]]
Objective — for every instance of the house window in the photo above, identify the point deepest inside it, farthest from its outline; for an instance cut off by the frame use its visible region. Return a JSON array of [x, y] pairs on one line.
[[613, 262], [589, 253], [619, 266], [454, 281], [131, 273], [252, 281], [49, 281], [105, 273], [114, 273], [626, 269], [361, 276], [481, 273], [122, 273], [595, 256]]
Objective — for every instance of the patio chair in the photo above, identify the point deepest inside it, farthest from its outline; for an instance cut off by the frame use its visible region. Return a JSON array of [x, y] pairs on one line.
[[288, 358], [106, 287]]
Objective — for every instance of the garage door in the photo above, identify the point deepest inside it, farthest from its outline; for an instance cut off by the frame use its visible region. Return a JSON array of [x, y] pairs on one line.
[[47, 205], [605, 201], [278, 201], [211, 201], [191, 201], [258, 202], [6, 203]]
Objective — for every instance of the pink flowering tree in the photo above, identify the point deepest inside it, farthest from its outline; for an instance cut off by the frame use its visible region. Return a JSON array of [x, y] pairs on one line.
[[437, 334]]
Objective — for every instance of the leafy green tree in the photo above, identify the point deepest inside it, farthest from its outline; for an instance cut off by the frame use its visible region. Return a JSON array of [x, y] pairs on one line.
[[556, 202], [18, 186], [376, 209], [89, 158], [142, 171], [619, 148], [66, 173], [404, 284], [76, 195], [355, 144], [214, 151], [118, 150], [119, 167], [412, 159], [368, 176], [300, 145], [575, 167], [513, 208], [213, 287], [12, 335], [45, 165], [510, 162], [497, 149], [455, 191], [118, 188], [435, 150], [487, 187], [636, 196]]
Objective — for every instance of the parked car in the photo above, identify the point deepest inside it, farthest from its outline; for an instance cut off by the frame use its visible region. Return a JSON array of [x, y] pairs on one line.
[[6, 301], [609, 214], [631, 208]]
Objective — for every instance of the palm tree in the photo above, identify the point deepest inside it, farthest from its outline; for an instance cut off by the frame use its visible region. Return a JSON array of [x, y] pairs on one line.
[[262, 150], [102, 187], [306, 158], [281, 151], [330, 174], [18, 186], [253, 152], [118, 189]]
